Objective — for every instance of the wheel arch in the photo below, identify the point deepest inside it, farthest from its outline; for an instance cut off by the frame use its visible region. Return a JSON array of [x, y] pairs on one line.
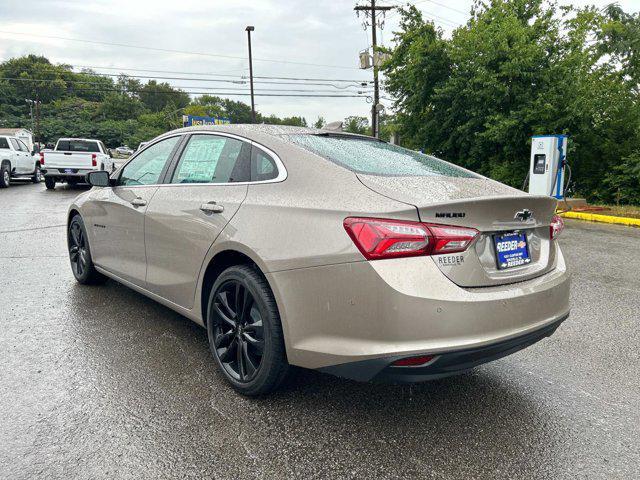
[[217, 264]]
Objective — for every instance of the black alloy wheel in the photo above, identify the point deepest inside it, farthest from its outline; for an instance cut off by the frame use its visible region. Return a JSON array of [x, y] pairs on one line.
[[80, 254], [77, 250], [244, 330], [238, 331]]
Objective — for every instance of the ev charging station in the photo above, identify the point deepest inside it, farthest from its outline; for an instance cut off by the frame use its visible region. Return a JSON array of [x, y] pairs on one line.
[[548, 162]]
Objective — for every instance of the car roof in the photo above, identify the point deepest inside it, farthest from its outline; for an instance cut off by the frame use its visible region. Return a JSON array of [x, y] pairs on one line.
[[277, 131]]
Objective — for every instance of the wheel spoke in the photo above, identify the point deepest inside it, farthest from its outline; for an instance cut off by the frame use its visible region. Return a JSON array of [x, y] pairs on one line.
[[223, 339], [224, 310], [250, 367], [240, 358], [256, 343], [74, 234], [242, 301], [226, 356]]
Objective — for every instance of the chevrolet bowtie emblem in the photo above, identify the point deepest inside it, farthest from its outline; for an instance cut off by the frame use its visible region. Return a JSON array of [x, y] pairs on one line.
[[523, 215]]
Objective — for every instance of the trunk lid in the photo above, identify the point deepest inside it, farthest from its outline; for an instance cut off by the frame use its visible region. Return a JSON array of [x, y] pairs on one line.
[[485, 205]]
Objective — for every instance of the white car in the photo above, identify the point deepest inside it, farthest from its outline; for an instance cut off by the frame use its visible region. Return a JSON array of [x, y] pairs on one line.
[[124, 150], [72, 159], [16, 161]]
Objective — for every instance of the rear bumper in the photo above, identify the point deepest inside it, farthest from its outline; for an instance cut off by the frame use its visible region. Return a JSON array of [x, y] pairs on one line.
[[356, 312], [77, 173], [444, 365]]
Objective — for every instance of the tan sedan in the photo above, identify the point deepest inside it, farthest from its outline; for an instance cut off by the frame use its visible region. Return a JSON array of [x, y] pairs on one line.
[[324, 250]]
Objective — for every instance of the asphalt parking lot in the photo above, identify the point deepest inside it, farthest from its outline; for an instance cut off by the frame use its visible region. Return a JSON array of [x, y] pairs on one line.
[[100, 382]]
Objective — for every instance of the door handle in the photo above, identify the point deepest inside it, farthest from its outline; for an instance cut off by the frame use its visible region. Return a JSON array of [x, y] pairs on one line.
[[211, 207], [138, 202]]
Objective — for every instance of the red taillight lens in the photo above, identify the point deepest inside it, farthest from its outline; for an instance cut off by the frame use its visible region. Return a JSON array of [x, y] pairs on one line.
[[41, 158], [94, 160], [556, 227], [450, 239], [413, 361], [379, 238]]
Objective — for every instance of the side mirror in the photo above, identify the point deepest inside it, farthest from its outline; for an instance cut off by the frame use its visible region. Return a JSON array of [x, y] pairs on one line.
[[98, 179]]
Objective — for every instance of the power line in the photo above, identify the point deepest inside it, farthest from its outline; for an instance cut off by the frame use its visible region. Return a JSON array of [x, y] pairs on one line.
[[169, 50], [219, 74], [210, 80], [311, 93]]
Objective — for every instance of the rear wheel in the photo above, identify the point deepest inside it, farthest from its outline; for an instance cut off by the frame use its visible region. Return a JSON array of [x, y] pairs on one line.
[[50, 183], [80, 254], [5, 175], [244, 330], [37, 175]]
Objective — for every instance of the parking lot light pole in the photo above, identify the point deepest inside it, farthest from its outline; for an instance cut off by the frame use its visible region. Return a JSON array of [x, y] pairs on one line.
[[250, 29]]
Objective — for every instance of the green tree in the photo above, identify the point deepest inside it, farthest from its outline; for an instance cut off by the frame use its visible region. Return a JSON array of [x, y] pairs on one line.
[[356, 124]]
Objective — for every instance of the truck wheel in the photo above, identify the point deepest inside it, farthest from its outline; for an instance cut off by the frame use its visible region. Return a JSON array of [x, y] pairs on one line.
[[50, 183], [37, 175], [5, 175], [80, 254]]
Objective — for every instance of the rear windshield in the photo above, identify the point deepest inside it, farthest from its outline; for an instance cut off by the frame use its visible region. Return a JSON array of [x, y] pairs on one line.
[[377, 158], [77, 146]]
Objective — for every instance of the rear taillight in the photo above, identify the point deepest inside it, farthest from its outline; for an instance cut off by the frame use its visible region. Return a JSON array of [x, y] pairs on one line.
[[94, 160], [41, 158], [379, 238], [556, 227]]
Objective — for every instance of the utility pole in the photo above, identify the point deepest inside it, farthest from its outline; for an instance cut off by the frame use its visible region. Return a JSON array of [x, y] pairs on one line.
[[37, 132], [250, 29], [371, 11]]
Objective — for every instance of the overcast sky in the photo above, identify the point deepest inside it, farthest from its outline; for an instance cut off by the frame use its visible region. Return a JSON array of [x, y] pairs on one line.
[[325, 33]]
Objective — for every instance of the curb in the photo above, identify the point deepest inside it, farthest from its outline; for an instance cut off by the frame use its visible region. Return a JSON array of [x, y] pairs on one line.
[[594, 217]]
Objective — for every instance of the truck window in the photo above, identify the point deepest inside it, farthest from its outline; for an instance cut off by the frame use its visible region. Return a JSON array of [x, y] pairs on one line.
[[16, 145], [77, 146], [3, 143]]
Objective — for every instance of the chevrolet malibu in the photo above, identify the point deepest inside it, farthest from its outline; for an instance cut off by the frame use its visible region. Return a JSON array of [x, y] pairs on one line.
[[325, 250]]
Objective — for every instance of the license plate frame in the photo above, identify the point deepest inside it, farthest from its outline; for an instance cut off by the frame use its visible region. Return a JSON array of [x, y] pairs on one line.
[[510, 256]]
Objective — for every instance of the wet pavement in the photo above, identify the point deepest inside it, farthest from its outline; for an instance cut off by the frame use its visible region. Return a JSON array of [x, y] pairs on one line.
[[100, 382]]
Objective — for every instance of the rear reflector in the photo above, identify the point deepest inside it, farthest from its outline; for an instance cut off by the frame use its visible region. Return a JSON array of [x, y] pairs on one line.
[[413, 361], [379, 238], [556, 227]]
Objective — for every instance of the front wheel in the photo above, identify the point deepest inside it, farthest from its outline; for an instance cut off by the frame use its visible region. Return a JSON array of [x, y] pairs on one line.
[[80, 254], [37, 175], [244, 330], [50, 183], [5, 176]]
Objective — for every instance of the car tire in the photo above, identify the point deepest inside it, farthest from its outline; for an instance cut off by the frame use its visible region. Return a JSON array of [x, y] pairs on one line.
[[50, 183], [37, 175], [248, 347], [5, 175], [80, 254]]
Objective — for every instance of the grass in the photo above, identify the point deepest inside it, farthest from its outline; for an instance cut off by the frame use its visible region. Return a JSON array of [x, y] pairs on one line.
[[629, 211]]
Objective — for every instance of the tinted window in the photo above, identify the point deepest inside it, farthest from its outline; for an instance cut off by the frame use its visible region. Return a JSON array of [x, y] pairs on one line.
[[146, 168], [263, 166], [4, 143], [211, 159], [377, 158], [77, 146]]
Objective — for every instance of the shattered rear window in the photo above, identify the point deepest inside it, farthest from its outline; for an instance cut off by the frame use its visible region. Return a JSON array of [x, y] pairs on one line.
[[373, 157]]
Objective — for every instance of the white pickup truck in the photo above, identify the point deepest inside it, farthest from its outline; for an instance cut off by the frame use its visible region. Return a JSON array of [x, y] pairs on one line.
[[16, 161], [72, 159]]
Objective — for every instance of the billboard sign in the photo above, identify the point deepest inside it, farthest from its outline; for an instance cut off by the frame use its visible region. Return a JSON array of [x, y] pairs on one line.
[[194, 120]]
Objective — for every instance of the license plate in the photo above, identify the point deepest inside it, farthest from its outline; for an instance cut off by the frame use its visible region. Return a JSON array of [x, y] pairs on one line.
[[511, 250], [68, 170]]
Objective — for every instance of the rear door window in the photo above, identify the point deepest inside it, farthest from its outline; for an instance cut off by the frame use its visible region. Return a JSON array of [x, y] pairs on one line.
[[212, 159], [4, 144], [16, 145]]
